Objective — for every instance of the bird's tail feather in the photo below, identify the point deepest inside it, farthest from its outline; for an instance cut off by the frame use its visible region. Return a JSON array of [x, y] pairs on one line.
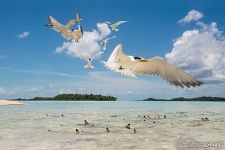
[[89, 67]]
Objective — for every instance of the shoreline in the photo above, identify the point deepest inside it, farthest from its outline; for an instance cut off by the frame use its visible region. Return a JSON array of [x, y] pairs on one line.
[[9, 102], [32, 100], [179, 101]]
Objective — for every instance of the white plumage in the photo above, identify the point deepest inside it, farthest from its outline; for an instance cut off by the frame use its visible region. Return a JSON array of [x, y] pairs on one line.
[[89, 61], [105, 42], [114, 26], [132, 66], [89, 64]]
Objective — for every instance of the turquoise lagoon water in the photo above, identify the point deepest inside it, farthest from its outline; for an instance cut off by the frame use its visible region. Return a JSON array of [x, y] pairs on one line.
[[41, 126]]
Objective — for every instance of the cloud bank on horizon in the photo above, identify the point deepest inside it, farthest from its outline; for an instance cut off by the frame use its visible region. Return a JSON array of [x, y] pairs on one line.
[[200, 51], [89, 45]]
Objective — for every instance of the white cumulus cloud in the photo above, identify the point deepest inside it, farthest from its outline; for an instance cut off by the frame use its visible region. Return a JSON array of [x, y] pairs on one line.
[[88, 46], [23, 35], [192, 15], [201, 52]]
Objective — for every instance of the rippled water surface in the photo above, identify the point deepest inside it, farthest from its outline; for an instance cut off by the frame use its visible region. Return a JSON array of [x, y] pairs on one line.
[[51, 125]]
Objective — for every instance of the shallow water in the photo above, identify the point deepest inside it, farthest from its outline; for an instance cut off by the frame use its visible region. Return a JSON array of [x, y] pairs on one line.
[[41, 126]]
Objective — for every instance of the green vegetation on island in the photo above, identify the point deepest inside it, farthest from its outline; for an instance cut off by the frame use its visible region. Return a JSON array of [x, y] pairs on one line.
[[203, 98], [73, 97]]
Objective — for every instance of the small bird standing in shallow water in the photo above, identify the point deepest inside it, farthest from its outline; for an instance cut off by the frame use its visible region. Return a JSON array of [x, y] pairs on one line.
[[127, 126], [86, 122], [77, 131], [205, 119], [107, 129]]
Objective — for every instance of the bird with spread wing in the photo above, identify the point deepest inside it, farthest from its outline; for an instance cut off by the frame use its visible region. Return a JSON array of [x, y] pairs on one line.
[[113, 26], [105, 42], [131, 66], [72, 22], [89, 61], [66, 32]]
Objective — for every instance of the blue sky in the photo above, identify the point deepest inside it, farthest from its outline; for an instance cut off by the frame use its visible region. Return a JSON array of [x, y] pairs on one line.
[[29, 65]]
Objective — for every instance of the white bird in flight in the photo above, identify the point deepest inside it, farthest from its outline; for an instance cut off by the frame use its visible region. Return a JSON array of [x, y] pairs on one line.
[[89, 64], [131, 66], [105, 42], [74, 35], [114, 26], [89, 61]]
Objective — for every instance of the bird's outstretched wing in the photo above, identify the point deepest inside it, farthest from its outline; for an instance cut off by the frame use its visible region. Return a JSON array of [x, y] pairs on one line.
[[120, 62], [110, 38], [105, 42], [70, 23], [55, 25], [168, 72], [78, 17], [97, 55], [118, 23]]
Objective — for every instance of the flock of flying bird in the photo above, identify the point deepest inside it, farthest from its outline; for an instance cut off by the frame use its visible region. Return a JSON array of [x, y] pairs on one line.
[[118, 61]]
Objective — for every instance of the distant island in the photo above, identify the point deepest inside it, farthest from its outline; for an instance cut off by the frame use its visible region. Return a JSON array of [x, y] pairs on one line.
[[203, 98], [72, 97]]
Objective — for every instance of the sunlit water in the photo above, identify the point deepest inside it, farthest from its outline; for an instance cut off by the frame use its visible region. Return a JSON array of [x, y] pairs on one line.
[[40, 126]]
